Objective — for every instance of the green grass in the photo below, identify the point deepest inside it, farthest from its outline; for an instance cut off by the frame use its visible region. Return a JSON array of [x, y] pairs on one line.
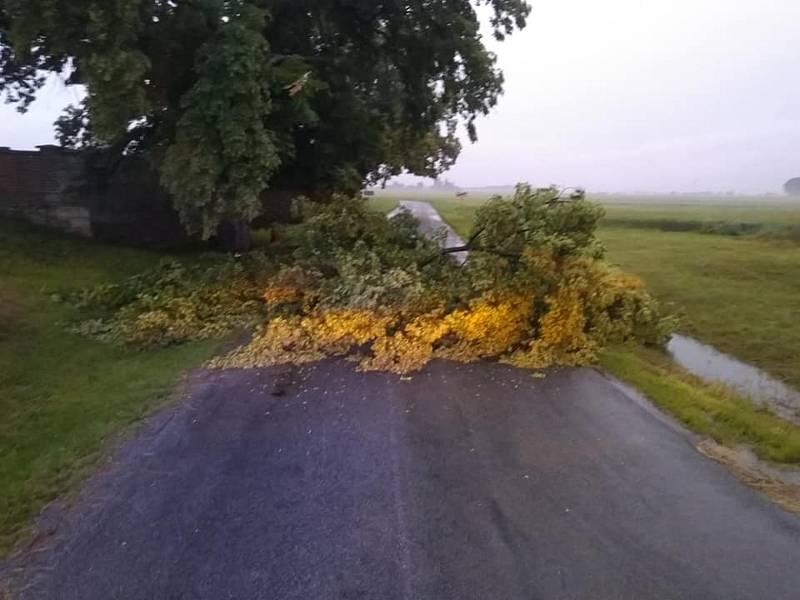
[[782, 213], [741, 295], [63, 396], [744, 217], [708, 410], [382, 204]]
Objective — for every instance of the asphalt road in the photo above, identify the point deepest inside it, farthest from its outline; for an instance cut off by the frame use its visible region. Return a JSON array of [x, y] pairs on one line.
[[465, 482]]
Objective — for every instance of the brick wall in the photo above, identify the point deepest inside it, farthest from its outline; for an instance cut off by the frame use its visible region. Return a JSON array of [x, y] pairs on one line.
[[130, 207], [45, 187], [76, 192], [73, 192]]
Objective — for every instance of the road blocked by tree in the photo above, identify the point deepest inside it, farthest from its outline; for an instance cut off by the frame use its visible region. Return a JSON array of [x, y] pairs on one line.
[[535, 292]]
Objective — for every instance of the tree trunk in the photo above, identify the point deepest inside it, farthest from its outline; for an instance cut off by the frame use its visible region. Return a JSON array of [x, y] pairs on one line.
[[234, 236]]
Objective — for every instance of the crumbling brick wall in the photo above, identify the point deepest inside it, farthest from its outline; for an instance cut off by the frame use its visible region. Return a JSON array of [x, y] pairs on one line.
[[130, 207], [76, 192], [44, 187], [81, 192]]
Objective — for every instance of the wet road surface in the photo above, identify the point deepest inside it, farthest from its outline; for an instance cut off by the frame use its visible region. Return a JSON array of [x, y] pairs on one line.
[[432, 224], [465, 482]]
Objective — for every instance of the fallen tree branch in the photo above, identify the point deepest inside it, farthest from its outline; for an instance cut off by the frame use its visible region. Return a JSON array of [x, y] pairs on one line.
[[465, 248], [470, 246]]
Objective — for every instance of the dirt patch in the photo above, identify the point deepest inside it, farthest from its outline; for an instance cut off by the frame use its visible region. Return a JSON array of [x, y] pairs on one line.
[[782, 487]]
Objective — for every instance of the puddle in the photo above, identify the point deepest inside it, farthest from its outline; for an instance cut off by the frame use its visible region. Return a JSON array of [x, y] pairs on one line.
[[710, 364]]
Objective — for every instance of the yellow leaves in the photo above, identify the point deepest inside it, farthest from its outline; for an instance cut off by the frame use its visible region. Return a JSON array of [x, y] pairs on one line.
[[302, 340], [489, 327], [275, 296], [428, 328], [410, 348], [290, 284], [281, 341], [562, 337], [398, 353], [587, 303], [346, 328], [562, 326]]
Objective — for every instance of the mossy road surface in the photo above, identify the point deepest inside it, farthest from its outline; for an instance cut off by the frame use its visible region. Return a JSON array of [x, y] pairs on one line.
[[466, 481]]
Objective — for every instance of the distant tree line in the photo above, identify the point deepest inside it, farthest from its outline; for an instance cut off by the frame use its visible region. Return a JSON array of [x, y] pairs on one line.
[[792, 187]]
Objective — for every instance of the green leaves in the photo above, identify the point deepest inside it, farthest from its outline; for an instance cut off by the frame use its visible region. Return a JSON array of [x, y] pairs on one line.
[[536, 219], [224, 152], [230, 97], [72, 128]]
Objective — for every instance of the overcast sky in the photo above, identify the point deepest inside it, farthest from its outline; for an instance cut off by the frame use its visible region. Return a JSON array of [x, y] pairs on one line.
[[619, 95]]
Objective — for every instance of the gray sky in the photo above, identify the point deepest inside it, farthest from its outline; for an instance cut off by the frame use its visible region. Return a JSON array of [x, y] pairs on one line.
[[619, 95]]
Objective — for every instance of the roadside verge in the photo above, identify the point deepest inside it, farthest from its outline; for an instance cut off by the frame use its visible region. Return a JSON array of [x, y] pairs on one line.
[[759, 448]]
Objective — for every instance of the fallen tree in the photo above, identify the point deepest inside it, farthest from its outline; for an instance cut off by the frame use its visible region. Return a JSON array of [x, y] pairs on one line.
[[535, 292]]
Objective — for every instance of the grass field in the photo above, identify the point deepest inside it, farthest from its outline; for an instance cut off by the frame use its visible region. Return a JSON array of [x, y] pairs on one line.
[[740, 293], [774, 213], [768, 218], [670, 212], [61, 395]]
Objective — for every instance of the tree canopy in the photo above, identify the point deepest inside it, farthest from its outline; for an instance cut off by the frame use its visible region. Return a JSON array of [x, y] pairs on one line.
[[231, 97]]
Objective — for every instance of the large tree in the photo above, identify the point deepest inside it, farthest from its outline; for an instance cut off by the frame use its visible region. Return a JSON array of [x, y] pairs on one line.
[[231, 97]]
